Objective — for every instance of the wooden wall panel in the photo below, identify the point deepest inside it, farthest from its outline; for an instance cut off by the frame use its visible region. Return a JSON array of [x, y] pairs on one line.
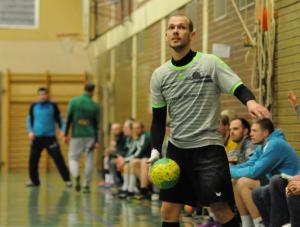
[[22, 92], [287, 70]]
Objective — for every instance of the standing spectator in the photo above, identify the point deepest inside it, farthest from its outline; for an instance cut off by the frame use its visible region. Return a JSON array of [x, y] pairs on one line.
[[41, 120], [294, 102], [83, 116]]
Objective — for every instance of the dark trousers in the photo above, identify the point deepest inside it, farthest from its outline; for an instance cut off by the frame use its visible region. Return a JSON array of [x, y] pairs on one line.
[[53, 148], [275, 209]]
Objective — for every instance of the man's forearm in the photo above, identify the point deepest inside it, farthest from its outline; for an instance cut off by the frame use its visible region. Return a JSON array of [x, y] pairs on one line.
[[158, 127]]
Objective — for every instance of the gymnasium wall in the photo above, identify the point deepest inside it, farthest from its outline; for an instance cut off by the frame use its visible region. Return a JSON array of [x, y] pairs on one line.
[[287, 68], [117, 74], [37, 50]]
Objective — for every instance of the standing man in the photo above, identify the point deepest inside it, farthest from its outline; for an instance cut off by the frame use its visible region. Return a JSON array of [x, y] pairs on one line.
[[41, 120], [294, 102], [189, 85], [83, 116]]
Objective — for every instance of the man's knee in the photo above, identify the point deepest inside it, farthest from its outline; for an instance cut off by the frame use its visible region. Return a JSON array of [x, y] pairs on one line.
[[277, 183], [245, 182], [170, 212]]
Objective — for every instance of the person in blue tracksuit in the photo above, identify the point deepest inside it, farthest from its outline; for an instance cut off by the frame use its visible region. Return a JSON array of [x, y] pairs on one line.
[[273, 155], [41, 124]]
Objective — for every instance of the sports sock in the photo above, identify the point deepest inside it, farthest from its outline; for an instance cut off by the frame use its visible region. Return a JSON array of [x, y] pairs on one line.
[[132, 183], [170, 224], [246, 221], [125, 182], [258, 222]]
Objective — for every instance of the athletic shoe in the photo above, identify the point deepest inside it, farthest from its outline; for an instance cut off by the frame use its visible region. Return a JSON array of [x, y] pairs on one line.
[[30, 184], [86, 189], [69, 184], [122, 194], [140, 196], [210, 224], [77, 183]]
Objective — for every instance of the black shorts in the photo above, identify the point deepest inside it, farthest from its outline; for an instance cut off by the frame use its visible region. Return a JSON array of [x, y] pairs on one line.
[[204, 176]]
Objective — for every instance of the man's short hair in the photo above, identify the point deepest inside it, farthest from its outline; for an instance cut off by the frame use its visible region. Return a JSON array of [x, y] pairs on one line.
[[191, 25], [225, 120], [245, 124], [266, 124], [43, 89], [89, 87]]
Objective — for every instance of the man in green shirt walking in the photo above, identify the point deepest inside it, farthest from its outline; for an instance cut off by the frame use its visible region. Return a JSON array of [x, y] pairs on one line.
[[83, 116]]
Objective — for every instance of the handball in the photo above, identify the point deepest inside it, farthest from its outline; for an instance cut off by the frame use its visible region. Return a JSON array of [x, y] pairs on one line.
[[165, 173]]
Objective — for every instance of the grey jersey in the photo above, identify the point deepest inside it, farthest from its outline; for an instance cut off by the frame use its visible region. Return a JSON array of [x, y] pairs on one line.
[[192, 95]]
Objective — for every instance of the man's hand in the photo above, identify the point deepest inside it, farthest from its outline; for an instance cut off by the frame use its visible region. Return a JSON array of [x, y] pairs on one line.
[[96, 145], [65, 139], [292, 98], [257, 111], [296, 178], [155, 155], [31, 136], [294, 188]]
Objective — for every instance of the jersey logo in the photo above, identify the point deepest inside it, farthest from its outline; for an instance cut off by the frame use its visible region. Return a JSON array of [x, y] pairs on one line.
[[201, 77]]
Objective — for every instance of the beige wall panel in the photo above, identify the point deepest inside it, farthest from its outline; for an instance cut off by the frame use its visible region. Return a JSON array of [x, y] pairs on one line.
[[287, 69]]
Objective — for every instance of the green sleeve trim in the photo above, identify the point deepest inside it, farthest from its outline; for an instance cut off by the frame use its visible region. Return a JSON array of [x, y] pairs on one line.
[[220, 61], [234, 87], [181, 68], [158, 105]]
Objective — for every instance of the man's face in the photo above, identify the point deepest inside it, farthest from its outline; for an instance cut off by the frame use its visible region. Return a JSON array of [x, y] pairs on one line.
[[115, 129], [43, 96], [258, 135], [137, 129], [223, 129], [127, 130], [178, 35], [237, 132]]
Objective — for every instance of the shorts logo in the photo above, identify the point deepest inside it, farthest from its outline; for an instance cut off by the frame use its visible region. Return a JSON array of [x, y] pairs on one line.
[[54, 145], [218, 194]]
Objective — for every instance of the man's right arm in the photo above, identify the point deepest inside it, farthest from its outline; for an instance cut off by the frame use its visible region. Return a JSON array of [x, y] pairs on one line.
[[30, 122], [159, 115], [158, 126], [69, 118]]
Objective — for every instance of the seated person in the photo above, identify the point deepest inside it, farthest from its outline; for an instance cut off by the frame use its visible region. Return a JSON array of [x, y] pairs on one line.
[[224, 129], [273, 155], [140, 151], [279, 201], [240, 134], [117, 148]]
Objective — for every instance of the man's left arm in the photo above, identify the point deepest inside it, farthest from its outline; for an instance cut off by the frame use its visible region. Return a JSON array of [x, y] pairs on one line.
[[58, 119], [230, 83]]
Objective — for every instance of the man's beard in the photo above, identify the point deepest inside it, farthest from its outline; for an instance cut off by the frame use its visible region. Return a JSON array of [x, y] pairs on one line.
[[179, 47]]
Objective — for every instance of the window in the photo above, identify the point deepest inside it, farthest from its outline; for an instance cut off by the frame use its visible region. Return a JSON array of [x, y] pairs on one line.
[[19, 13], [220, 9], [246, 3]]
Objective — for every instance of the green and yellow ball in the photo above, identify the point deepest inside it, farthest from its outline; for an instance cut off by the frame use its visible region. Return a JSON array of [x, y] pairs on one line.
[[165, 173]]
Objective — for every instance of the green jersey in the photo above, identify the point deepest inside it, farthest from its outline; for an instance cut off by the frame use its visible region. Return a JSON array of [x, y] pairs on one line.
[[83, 115]]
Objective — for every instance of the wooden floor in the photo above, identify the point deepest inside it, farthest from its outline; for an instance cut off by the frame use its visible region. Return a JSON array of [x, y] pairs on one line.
[[52, 204]]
